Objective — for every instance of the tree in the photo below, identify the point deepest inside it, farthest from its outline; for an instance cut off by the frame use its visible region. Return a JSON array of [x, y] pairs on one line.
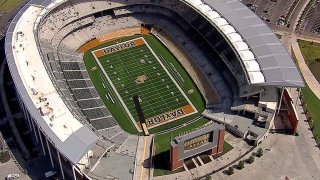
[[230, 170], [259, 152], [241, 165], [250, 160]]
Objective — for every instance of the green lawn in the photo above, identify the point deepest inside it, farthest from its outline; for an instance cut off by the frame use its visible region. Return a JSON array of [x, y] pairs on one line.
[[312, 104], [7, 5], [169, 62], [311, 54]]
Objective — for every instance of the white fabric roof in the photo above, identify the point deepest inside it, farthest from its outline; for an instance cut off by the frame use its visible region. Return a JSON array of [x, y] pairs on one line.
[[246, 55], [251, 66], [276, 64], [204, 8], [256, 77], [195, 3], [220, 22], [240, 46], [234, 37], [212, 14], [227, 29]]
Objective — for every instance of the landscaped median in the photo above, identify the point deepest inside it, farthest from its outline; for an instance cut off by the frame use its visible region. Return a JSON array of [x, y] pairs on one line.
[[311, 54], [311, 106], [7, 5], [310, 102]]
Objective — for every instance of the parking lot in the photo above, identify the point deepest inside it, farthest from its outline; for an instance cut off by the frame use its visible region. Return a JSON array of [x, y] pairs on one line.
[[276, 12], [311, 22]]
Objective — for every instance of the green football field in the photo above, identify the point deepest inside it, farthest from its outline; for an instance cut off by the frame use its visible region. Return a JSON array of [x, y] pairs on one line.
[[172, 89], [138, 71]]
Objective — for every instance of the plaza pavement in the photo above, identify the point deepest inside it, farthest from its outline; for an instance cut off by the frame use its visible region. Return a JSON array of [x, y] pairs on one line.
[[240, 147], [297, 157], [11, 167]]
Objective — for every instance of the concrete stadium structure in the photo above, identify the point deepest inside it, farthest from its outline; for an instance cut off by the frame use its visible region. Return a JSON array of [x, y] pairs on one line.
[[226, 49]]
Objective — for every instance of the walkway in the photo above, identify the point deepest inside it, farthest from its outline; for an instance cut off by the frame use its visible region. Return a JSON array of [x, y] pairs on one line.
[[306, 142], [143, 161]]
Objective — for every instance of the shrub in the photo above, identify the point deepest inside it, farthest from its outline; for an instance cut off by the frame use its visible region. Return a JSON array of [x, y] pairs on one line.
[[259, 152], [241, 164], [230, 170], [250, 159]]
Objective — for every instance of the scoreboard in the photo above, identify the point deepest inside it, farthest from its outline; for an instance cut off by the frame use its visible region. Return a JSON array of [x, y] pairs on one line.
[[209, 139], [196, 142]]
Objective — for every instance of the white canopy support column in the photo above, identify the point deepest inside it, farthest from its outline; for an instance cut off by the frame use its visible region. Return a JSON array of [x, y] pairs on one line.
[[61, 168], [278, 110], [299, 92], [73, 172], [34, 131], [43, 149], [51, 160]]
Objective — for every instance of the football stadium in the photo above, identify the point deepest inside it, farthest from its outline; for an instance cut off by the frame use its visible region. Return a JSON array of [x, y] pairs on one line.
[[94, 77]]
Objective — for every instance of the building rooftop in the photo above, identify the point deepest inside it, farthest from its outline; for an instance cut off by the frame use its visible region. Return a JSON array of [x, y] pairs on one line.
[[37, 91]]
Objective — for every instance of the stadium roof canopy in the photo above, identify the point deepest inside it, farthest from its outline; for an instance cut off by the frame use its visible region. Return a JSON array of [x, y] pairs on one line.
[[80, 141], [266, 61], [276, 65]]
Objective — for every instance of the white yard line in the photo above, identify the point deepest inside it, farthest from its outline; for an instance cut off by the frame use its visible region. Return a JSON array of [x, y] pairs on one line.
[[110, 91], [136, 85], [154, 87], [115, 90], [171, 77]]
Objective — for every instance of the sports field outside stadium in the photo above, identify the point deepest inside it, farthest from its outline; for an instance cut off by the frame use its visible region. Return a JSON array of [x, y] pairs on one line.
[[142, 66]]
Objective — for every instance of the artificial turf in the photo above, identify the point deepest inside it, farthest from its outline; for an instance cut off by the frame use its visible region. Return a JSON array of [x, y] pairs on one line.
[[156, 89]]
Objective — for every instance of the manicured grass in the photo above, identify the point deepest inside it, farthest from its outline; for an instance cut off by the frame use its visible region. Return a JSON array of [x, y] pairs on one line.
[[7, 5], [170, 63], [312, 104], [311, 54]]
